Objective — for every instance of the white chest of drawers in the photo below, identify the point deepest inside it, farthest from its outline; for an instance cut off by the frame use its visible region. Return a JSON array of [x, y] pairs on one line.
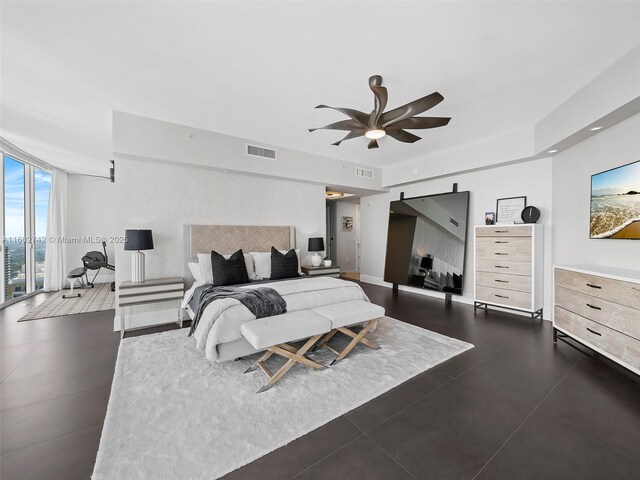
[[600, 308], [509, 268]]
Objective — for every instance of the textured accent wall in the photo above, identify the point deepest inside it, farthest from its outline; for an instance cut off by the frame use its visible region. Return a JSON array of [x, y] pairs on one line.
[[164, 197]]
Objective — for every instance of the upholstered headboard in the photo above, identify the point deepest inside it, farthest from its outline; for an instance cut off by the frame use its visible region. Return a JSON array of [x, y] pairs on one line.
[[226, 239]]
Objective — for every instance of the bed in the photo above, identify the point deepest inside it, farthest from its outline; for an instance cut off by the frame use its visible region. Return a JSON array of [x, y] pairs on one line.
[[218, 332]]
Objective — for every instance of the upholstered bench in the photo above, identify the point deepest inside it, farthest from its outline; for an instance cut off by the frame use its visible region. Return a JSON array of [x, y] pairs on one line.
[[274, 335], [347, 314]]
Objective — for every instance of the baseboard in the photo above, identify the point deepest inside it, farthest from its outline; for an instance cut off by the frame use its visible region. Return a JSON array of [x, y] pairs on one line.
[[429, 293]]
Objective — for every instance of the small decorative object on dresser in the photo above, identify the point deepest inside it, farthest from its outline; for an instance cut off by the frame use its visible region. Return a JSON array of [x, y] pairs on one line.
[[333, 271], [600, 308], [508, 209], [156, 290], [327, 262], [530, 214], [508, 268], [489, 218], [316, 244]]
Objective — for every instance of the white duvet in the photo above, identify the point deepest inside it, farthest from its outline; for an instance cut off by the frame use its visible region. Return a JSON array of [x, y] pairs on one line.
[[221, 320]]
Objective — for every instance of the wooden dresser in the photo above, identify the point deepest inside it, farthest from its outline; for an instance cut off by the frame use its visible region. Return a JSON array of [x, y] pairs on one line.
[[600, 308], [509, 268]]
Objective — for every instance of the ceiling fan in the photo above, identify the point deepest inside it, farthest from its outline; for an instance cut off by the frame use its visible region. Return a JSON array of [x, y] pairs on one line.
[[379, 123]]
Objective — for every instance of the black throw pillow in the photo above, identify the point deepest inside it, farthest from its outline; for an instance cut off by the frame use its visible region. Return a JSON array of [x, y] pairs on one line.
[[283, 265], [229, 272], [457, 281]]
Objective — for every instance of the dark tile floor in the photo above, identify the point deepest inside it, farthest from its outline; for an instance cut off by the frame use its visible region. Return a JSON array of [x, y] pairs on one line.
[[514, 407]]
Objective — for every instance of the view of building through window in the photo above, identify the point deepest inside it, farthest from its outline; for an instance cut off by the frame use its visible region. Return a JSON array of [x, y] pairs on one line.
[[25, 220]]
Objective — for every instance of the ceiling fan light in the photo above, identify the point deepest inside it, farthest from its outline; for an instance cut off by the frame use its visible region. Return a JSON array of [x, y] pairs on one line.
[[375, 134]]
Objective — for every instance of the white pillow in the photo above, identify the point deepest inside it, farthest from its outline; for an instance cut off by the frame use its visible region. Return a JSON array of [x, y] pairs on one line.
[[262, 262], [206, 271], [194, 268]]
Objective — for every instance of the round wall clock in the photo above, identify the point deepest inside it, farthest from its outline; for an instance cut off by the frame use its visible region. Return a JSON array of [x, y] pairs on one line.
[[530, 214]]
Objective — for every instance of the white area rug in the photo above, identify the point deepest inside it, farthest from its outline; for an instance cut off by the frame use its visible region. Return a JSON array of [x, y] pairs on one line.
[[92, 300], [174, 415]]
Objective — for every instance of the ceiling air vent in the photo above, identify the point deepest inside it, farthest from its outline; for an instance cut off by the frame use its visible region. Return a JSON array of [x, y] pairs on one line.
[[262, 152], [364, 172]]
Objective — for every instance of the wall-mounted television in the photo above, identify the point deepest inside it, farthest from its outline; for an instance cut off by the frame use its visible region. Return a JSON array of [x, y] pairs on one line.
[[426, 242], [615, 203]]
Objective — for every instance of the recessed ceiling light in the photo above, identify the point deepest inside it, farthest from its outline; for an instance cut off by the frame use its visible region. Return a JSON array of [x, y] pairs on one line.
[[595, 129], [553, 151]]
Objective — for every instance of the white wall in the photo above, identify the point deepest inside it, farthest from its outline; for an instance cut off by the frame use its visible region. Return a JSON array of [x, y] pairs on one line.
[[140, 137], [532, 178], [91, 213], [572, 170], [165, 197], [345, 241]]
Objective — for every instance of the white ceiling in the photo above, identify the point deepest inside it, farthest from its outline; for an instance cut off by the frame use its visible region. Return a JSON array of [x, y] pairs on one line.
[[256, 70]]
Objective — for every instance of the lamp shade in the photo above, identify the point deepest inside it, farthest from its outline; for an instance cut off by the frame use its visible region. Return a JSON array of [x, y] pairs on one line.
[[138, 240], [316, 244], [426, 262]]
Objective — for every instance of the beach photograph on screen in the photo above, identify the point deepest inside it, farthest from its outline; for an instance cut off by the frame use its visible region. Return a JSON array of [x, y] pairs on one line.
[[615, 203]]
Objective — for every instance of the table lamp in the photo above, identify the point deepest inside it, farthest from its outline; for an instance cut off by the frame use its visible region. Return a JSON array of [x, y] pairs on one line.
[[137, 240], [316, 244]]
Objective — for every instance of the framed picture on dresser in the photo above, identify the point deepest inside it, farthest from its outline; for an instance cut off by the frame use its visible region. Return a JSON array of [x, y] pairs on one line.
[[508, 210]]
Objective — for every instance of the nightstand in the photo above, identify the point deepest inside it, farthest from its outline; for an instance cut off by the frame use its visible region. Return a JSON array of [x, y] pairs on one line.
[[155, 290], [333, 271]]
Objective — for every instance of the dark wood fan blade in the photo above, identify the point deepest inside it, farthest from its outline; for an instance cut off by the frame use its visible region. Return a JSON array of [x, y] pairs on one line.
[[356, 115], [403, 136], [349, 136], [381, 103], [417, 123], [411, 109], [372, 144], [341, 125]]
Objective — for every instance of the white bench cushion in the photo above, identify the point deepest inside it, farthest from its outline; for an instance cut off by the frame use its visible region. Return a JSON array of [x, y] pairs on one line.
[[288, 327], [349, 313]]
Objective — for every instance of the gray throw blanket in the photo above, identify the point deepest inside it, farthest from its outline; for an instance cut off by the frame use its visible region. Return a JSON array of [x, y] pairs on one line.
[[261, 302]]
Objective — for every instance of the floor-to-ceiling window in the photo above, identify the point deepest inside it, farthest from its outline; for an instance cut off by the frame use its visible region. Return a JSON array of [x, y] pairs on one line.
[[25, 195], [15, 258]]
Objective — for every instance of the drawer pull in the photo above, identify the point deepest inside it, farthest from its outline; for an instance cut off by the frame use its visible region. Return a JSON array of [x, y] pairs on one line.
[[594, 332], [594, 286], [500, 296], [502, 281], [593, 306], [497, 253], [502, 231], [500, 266], [498, 241]]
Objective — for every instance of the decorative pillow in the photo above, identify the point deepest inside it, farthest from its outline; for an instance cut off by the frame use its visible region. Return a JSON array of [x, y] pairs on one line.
[[194, 268], [262, 263], [283, 265], [206, 272], [457, 281], [229, 272]]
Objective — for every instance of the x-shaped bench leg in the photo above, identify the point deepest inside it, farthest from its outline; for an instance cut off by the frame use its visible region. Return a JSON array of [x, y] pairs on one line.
[[356, 338], [294, 356]]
